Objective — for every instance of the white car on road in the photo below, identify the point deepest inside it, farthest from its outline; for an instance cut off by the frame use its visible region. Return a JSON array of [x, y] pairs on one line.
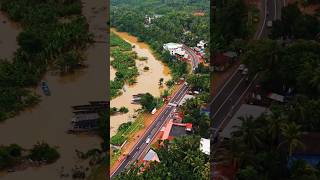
[[148, 140], [245, 71], [241, 67], [269, 24]]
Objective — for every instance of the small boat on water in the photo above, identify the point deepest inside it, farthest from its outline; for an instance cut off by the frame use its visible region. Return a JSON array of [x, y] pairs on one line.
[[45, 88]]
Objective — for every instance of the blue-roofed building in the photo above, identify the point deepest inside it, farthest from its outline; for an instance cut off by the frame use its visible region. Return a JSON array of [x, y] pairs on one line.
[[310, 153]]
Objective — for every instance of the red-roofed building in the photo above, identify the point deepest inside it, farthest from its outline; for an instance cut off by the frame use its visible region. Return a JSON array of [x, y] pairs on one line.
[[174, 129], [222, 61]]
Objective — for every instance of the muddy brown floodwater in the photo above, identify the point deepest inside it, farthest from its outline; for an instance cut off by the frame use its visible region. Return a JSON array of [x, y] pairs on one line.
[[50, 119], [8, 33], [147, 81]]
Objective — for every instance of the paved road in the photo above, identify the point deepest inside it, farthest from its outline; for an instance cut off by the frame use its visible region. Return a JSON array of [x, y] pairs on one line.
[[141, 147], [227, 98], [271, 11], [194, 57]]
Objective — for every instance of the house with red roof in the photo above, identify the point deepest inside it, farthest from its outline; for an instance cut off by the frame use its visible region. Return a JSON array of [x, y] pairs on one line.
[[221, 61], [175, 129]]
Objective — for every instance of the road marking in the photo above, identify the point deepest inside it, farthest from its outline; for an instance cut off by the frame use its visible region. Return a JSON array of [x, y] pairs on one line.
[[264, 20], [225, 84], [275, 10], [179, 92], [147, 147], [227, 97], [255, 77]]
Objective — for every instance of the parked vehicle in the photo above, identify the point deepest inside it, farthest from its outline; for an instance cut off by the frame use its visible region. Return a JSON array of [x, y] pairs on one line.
[[241, 67], [269, 24], [45, 88], [172, 104], [245, 71], [148, 140]]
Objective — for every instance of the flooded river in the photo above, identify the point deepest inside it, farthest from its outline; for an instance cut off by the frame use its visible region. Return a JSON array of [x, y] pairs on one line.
[[50, 119], [147, 81]]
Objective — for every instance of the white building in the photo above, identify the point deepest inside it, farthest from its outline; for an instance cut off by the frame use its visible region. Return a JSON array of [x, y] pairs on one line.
[[202, 44], [185, 98], [151, 156], [205, 146], [174, 48], [150, 18]]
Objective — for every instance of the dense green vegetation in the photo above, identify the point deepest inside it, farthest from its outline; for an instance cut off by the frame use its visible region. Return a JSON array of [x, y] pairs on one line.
[[180, 21], [295, 25], [295, 65], [125, 130], [43, 152], [54, 35], [148, 102], [176, 23], [103, 125], [262, 147], [124, 63], [99, 158], [199, 81], [115, 110], [230, 24], [192, 114], [12, 155], [180, 158], [165, 6]]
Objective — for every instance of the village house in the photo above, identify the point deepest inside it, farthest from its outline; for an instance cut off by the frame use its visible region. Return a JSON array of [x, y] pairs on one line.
[[174, 129], [205, 146], [222, 61], [174, 49]]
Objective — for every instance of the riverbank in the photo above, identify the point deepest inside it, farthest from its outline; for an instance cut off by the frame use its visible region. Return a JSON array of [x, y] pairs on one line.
[[51, 118], [116, 159], [147, 81]]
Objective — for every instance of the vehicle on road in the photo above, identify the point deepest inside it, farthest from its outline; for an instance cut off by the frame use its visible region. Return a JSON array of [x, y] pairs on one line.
[[269, 24], [172, 104], [148, 140], [241, 67], [45, 88], [245, 71], [154, 111]]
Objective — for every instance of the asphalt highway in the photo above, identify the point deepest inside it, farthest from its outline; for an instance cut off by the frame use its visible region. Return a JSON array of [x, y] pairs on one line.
[[223, 104], [142, 147], [194, 57]]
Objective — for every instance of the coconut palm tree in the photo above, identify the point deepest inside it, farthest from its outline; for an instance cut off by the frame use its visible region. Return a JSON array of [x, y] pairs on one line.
[[274, 124], [291, 133], [249, 132]]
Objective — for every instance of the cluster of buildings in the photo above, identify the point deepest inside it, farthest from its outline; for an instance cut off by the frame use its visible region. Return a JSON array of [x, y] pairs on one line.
[[257, 104], [221, 61], [172, 129], [149, 18], [178, 50], [175, 49]]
